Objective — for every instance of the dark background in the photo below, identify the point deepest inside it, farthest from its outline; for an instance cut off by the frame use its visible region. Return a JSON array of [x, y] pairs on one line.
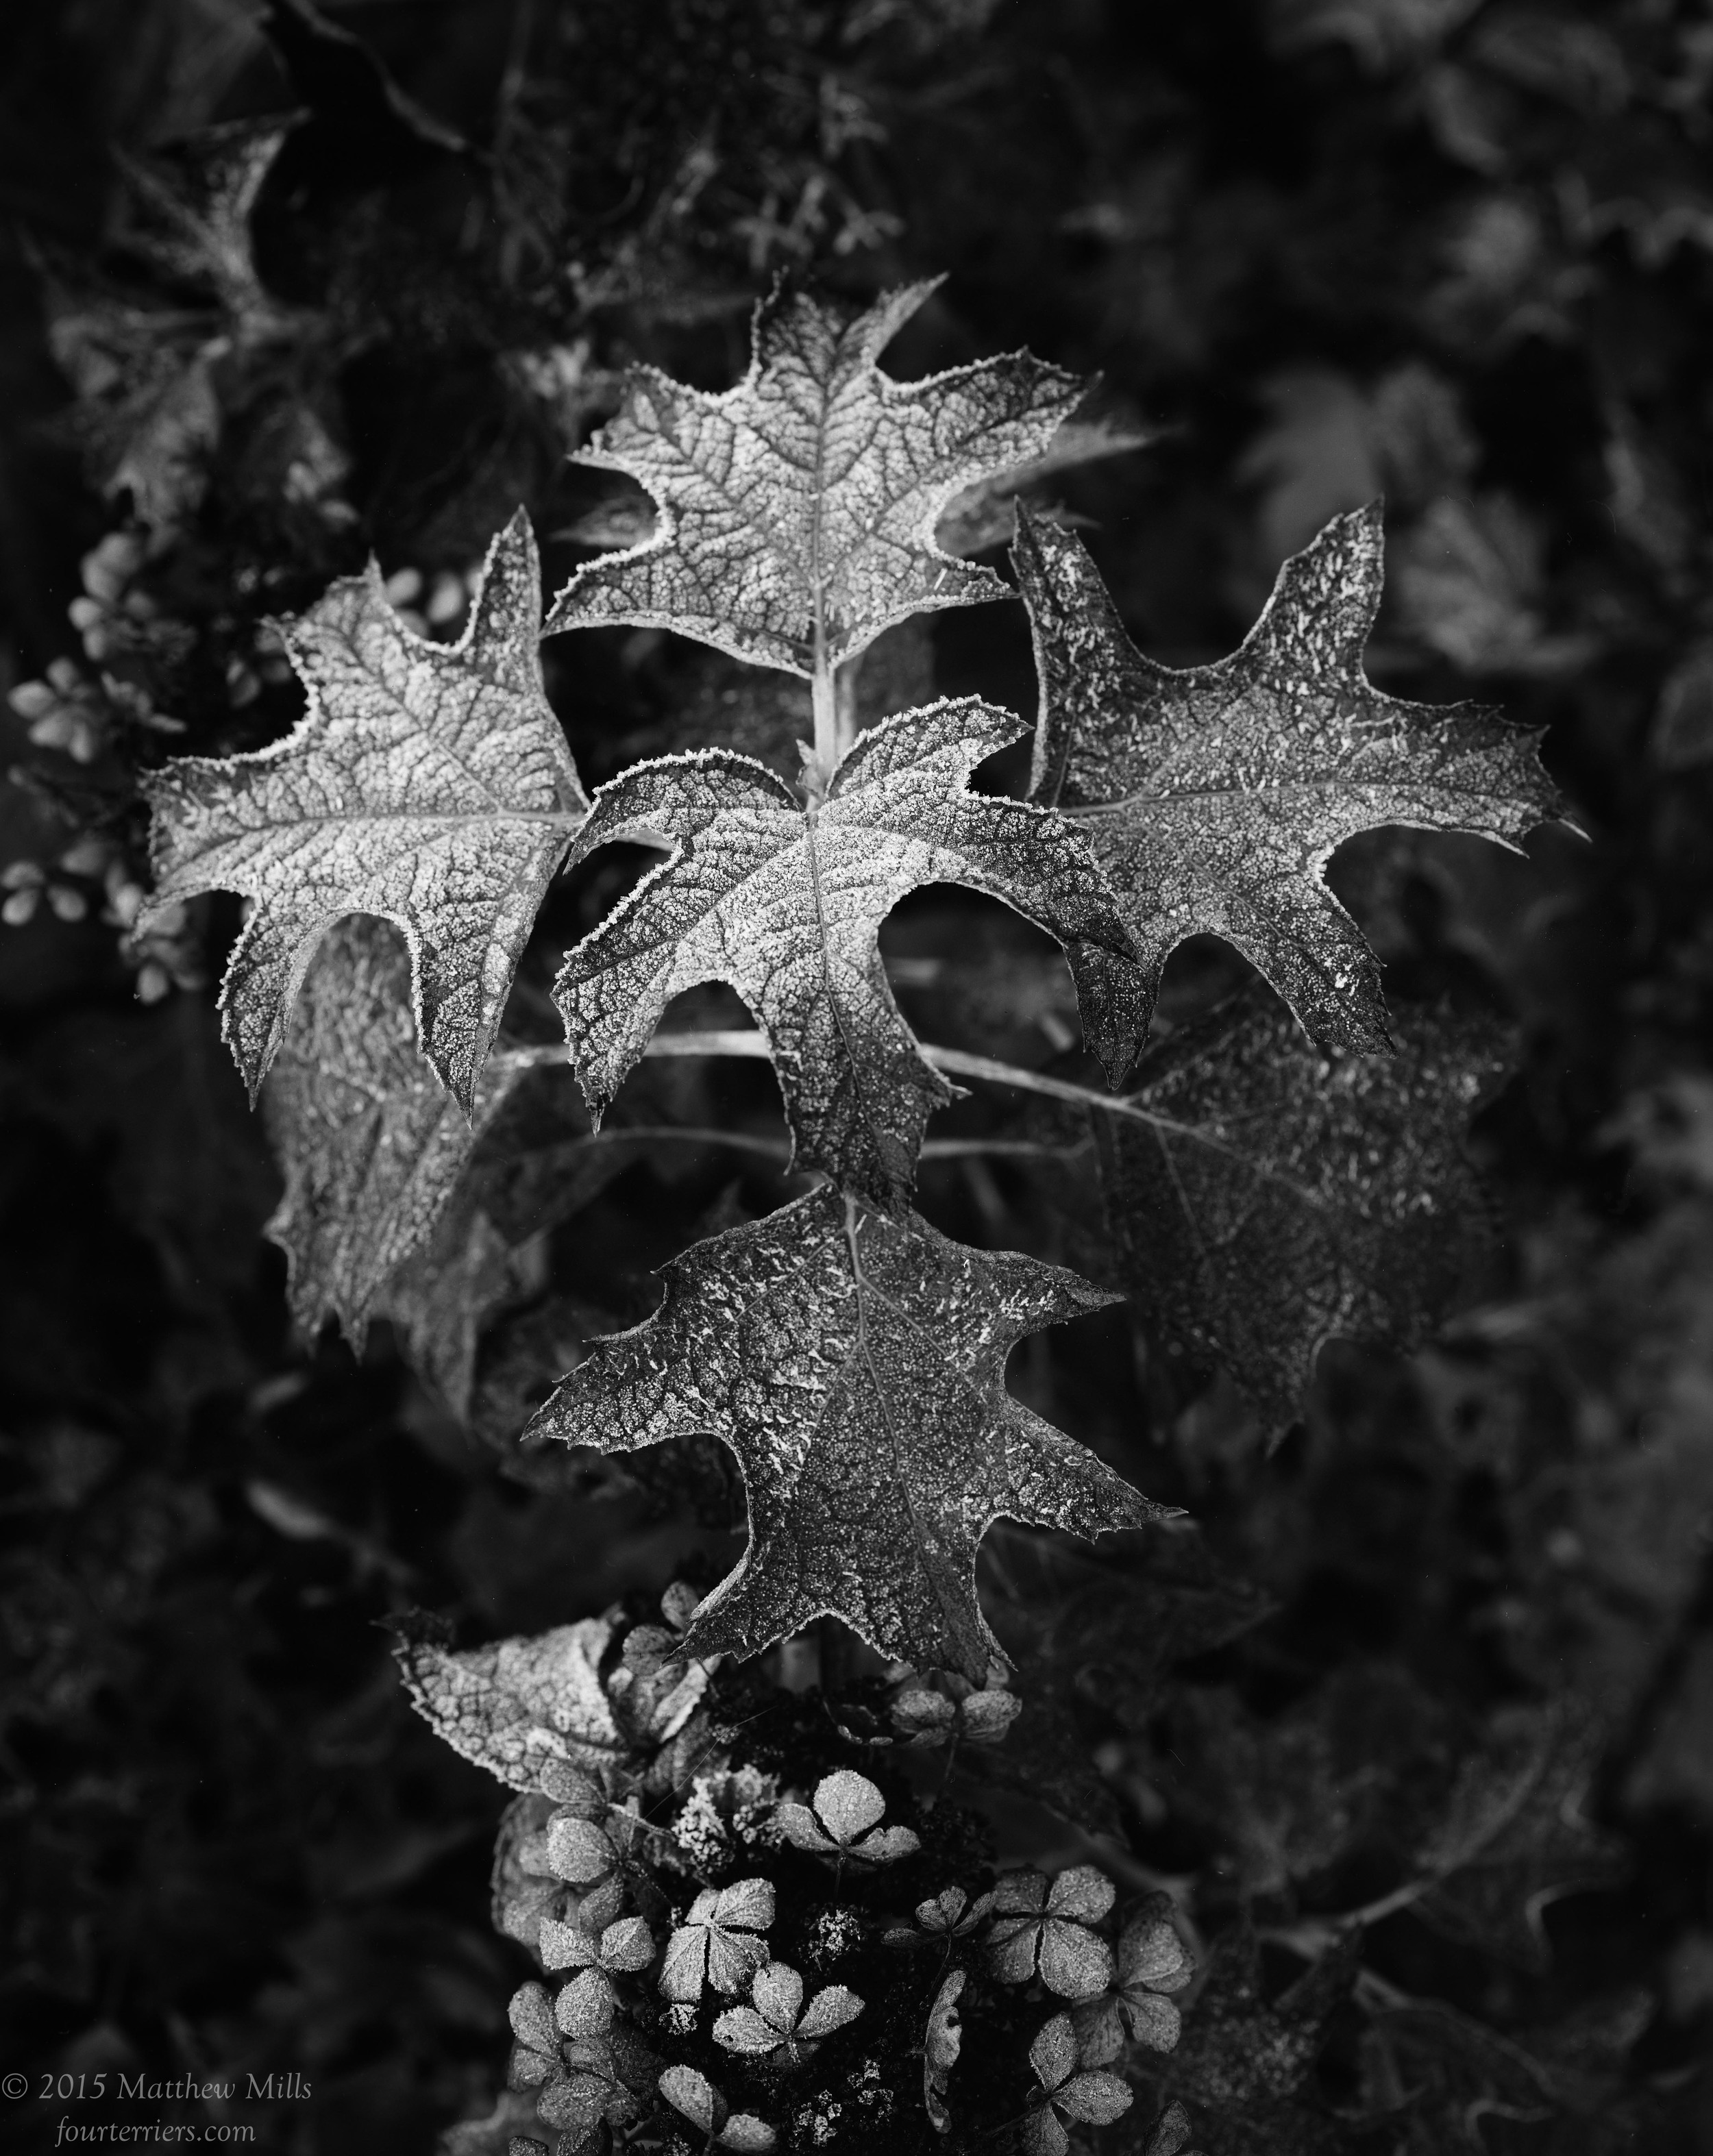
[[1461, 253]]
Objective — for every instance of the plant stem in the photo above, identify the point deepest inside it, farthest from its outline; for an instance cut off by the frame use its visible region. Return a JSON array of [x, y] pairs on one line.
[[824, 694]]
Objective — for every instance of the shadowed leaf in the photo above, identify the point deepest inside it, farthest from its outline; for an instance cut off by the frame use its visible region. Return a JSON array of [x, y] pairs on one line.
[[1214, 796], [1288, 1198], [855, 1365]]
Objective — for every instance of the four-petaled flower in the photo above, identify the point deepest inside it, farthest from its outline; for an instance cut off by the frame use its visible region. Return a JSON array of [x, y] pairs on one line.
[[1045, 1925], [719, 1941], [778, 2023], [844, 1822], [952, 1710], [586, 2005], [577, 2082], [1089, 2097], [1152, 1959], [696, 2097], [949, 1915]]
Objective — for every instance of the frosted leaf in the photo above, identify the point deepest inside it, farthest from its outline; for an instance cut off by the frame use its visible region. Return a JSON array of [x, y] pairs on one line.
[[1092, 2098], [796, 510], [795, 1340], [368, 1141], [784, 903], [778, 2020], [940, 2046], [719, 1941], [844, 1822], [1215, 796], [694, 2095], [828, 2010], [585, 2007], [427, 783], [531, 2017], [1294, 1196], [1040, 1927], [520, 1706], [1152, 1959]]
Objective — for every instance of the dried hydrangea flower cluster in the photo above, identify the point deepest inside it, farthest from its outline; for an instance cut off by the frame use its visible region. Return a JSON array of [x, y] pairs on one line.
[[758, 1931]]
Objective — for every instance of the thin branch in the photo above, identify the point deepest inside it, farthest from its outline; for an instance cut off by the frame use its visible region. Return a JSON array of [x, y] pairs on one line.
[[750, 1044]]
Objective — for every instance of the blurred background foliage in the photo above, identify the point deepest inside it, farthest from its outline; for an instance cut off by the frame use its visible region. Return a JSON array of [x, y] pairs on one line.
[[1458, 253]]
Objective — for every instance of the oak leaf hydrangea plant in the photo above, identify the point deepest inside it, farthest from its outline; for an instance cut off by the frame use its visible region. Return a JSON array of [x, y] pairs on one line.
[[735, 1951]]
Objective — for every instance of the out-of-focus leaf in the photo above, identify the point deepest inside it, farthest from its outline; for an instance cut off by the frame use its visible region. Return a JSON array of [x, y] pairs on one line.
[[1107, 1635], [1286, 1198], [427, 783], [1214, 796], [797, 1340], [784, 902], [1245, 2064], [1452, 2073], [1513, 1836], [1469, 581], [985, 514], [797, 510], [192, 204]]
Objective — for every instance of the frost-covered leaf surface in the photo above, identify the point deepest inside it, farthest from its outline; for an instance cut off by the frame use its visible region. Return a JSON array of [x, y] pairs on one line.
[[521, 1706], [784, 902], [427, 783], [1214, 796], [797, 510], [1515, 1835], [855, 1365], [1287, 1196], [370, 1142]]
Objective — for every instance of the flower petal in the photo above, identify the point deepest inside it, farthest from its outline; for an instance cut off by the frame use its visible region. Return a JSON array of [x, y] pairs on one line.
[[531, 2018], [1011, 1948], [800, 1827], [732, 1959], [1052, 2055], [1154, 2021], [777, 1993], [578, 1851], [685, 1965], [1021, 1893], [627, 1945], [848, 1804], [886, 1845], [749, 1902], [1083, 1891], [584, 2008], [1073, 1962], [565, 1946], [744, 2131], [742, 2029], [694, 2095], [1095, 2098], [828, 2010]]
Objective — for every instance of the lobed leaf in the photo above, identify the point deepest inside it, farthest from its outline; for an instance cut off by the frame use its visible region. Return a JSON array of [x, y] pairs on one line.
[[855, 1365], [427, 783], [1215, 796], [784, 903], [797, 510], [1285, 1197]]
